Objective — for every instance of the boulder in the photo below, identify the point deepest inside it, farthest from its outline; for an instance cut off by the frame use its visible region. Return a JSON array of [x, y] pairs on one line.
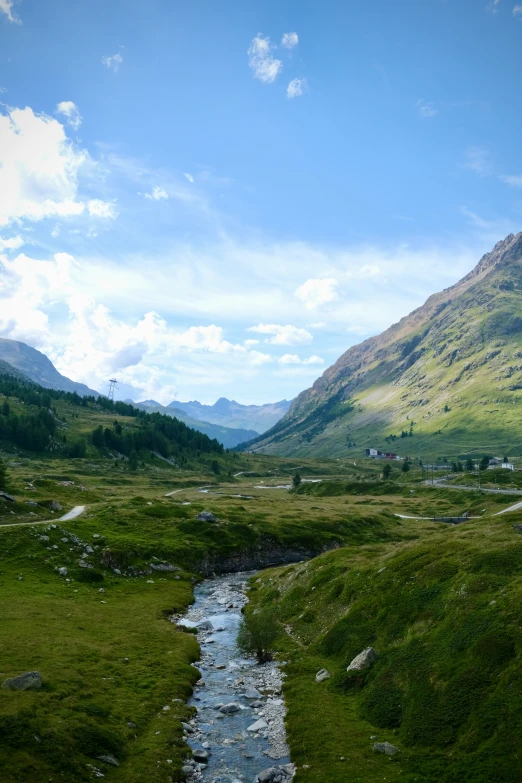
[[228, 709], [259, 725], [62, 571], [55, 506], [200, 755], [322, 674], [109, 759], [5, 496], [363, 661], [252, 693], [276, 774], [385, 747], [24, 682], [206, 516]]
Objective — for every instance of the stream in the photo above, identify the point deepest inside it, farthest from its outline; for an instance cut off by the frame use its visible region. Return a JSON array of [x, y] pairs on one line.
[[238, 734]]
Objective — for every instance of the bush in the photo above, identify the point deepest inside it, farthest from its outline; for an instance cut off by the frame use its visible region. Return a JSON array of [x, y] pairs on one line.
[[258, 632], [3, 475]]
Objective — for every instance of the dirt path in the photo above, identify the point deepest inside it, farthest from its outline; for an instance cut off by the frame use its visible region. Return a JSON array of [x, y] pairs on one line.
[[72, 514]]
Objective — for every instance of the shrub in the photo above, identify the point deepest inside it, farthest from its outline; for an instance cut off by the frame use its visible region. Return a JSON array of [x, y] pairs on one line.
[[258, 632]]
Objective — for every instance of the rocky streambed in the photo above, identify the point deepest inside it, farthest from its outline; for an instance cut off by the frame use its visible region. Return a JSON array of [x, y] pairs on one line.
[[238, 734]]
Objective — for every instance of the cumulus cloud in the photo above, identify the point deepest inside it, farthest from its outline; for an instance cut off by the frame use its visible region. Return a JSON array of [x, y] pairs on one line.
[[289, 40], [426, 108], [158, 194], [102, 209], [265, 66], [39, 170], [283, 335], [6, 6], [113, 62], [293, 358], [296, 88], [517, 12], [317, 291], [13, 243], [71, 113]]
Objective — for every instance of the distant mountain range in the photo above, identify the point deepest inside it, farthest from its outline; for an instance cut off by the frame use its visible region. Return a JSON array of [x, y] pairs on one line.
[[229, 413], [446, 379], [38, 368], [228, 436]]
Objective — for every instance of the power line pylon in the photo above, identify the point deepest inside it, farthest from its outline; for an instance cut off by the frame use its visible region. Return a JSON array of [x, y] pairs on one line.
[[112, 387]]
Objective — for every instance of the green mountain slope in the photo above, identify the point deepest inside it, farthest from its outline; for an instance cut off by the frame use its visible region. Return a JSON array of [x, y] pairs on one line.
[[39, 368], [228, 436], [450, 373]]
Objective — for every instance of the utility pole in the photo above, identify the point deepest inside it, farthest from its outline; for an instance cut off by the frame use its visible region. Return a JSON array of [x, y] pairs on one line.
[[112, 387]]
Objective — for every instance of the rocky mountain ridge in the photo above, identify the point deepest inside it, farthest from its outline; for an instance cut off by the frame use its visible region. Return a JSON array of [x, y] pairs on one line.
[[427, 374]]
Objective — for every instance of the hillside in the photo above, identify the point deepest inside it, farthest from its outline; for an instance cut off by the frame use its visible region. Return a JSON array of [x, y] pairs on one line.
[[229, 413], [449, 374], [228, 436], [39, 368]]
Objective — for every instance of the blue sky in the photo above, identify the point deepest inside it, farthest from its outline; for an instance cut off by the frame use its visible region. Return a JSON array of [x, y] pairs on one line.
[[217, 199]]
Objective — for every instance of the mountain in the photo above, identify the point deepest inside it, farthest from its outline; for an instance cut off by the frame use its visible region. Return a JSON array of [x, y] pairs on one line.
[[229, 413], [228, 436], [450, 373], [39, 368], [8, 369]]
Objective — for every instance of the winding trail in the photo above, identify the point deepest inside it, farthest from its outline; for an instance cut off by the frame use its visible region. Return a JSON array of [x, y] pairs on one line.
[[72, 514]]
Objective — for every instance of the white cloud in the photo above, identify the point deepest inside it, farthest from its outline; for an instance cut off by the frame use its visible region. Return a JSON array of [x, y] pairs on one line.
[[265, 66], [13, 243], [317, 291], [478, 160], [426, 108], [102, 209], [283, 335], [293, 358], [492, 7], [38, 168], [6, 6], [517, 12], [189, 177], [252, 342], [113, 62], [515, 181], [158, 194], [71, 113], [296, 88], [289, 40]]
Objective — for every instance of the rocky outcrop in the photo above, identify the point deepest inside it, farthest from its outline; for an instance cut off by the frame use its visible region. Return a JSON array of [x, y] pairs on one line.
[[265, 554], [363, 661], [24, 682]]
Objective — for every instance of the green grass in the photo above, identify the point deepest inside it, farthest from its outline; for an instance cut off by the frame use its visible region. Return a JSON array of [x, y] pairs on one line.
[[443, 614]]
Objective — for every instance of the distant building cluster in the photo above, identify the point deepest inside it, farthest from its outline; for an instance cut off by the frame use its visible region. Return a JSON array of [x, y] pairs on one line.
[[496, 462], [376, 454]]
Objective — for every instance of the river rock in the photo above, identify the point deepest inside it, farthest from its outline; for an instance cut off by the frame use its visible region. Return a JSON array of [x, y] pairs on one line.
[[206, 516], [186, 771], [323, 674], [276, 774], [200, 756], [256, 704], [363, 661], [204, 625], [188, 728], [228, 709], [252, 693], [259, 725], [24, 682], [385, 747]]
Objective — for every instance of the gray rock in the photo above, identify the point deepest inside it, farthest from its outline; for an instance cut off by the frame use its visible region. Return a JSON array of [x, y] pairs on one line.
[[206, 516], [276, 774], [24, 682], [109, 759], [322, 674], [186, 771], [200, 756], [62, 571], [257, 703], [131, 725], [44, 539], [252, 693], [188, 728], [55, 506], [89, 550], [228, 709], [5, 496], [386, 747], [30, 503], [204, 625], [363, 661], [164, 567], [259, 725]]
